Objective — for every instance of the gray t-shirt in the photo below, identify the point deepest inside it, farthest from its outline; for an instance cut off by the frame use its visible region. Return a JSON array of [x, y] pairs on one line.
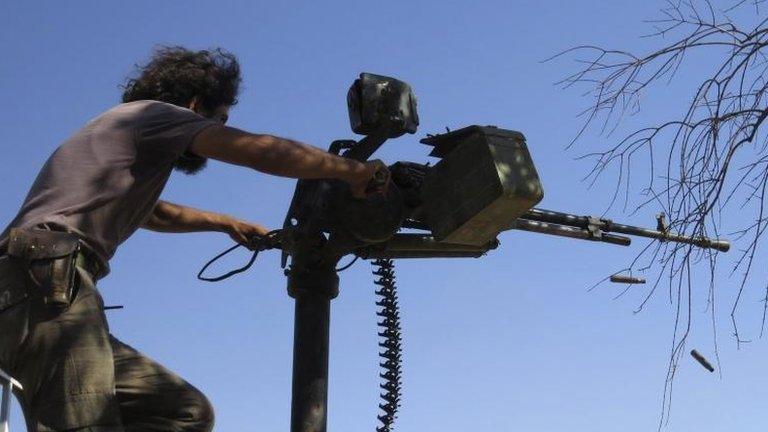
[[104, 181]]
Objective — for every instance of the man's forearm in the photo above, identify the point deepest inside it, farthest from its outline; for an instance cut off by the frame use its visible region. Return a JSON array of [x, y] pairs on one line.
[[288, 158], [274, 155], [174, 218]]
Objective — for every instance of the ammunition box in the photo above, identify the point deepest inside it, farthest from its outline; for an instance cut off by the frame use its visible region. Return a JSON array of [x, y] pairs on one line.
[[484, 181]]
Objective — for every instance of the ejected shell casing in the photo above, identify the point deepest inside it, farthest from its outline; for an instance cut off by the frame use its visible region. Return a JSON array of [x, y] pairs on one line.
[[627, 279], [700, 358]]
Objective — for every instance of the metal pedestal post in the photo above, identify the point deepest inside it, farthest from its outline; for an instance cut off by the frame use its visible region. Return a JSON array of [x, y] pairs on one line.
[[310, 364], [313, 292]]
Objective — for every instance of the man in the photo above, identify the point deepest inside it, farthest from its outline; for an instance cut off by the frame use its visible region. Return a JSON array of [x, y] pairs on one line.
[[98, 187]]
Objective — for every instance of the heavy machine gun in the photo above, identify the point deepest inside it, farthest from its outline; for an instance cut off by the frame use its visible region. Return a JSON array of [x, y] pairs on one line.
[[485, 182]]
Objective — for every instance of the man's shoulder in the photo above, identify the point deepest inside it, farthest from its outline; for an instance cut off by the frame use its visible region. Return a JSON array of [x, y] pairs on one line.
[[147, 107], [139, 115]]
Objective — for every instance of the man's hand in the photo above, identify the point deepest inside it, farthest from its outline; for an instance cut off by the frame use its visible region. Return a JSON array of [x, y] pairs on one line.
[[243, 232], [372, 178]]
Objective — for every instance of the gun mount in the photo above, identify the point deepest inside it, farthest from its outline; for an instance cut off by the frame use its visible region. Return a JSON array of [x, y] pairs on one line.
[[484, 183]]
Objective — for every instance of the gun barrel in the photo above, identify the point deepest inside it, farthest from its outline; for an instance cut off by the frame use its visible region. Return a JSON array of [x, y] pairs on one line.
[[560, 218], [568, 231], [702, 242], [605, 225]]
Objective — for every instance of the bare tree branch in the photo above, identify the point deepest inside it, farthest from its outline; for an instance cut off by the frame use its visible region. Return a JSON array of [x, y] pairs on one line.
[[710, 158]]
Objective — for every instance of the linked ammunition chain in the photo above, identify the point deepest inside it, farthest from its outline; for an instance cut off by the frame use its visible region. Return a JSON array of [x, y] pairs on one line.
[[390, 343]]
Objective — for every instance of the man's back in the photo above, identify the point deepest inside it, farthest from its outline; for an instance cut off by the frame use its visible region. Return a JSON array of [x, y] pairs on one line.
[[103, 181]]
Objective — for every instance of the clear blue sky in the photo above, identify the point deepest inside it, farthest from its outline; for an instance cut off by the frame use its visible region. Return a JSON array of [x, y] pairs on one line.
[[509, 342]]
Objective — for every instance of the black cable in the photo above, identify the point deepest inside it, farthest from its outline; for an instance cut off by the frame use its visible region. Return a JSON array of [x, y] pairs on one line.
[[391, 342], [341, 269], [258, 243], [230, 273]]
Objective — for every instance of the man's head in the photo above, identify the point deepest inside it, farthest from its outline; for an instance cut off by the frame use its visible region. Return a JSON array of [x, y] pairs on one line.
[[206, 82]]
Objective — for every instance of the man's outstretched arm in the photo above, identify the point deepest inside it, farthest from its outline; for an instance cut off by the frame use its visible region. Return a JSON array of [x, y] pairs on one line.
[[283, 157], [173, 218]]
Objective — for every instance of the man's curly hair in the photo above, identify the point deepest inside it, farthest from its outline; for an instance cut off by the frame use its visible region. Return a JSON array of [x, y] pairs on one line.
[[176, 75]]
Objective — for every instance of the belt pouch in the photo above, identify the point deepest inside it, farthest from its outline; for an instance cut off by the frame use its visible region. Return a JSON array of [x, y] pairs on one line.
[[49, 257]]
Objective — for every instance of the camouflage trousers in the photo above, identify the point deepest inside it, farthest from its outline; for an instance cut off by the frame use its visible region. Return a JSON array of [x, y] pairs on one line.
[[78, 377]]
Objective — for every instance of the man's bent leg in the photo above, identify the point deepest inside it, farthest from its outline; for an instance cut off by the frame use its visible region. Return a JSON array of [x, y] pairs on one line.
[[154, 399], [65, 365]]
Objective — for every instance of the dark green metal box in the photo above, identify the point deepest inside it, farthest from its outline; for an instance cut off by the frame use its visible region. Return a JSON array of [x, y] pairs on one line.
[[484, 181]]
